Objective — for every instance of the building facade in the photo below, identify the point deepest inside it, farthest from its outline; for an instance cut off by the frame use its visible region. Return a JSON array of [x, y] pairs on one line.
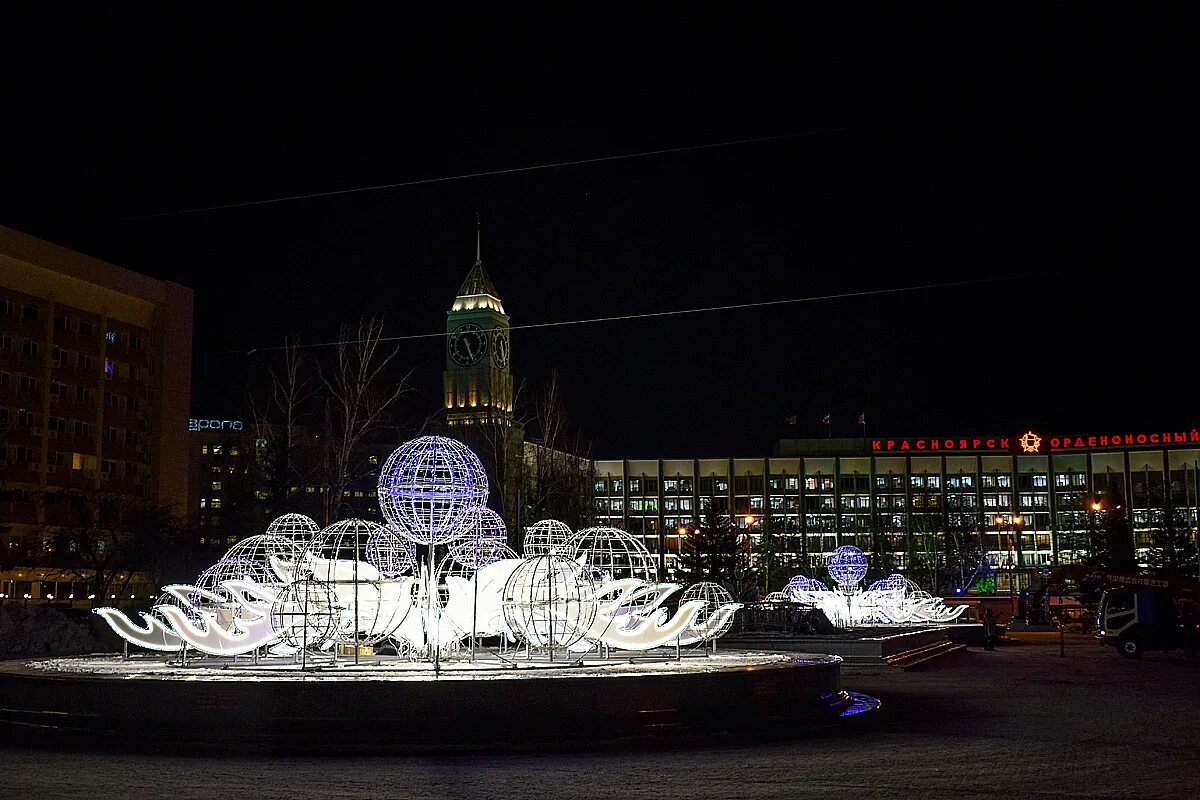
[[1029, 499], [95, 386]]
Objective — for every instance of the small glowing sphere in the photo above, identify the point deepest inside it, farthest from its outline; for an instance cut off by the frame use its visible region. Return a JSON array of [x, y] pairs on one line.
[[892, 583], [802, 583], [549, 601], [545, 537], [713, 595], [262, 547], [392, 555], [306, 613], [611, 554], [484, 538], [848, 565], [427, 485], [297, 527]]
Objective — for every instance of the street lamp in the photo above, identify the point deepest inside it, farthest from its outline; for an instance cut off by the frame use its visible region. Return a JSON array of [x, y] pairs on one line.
[[1013, 525]]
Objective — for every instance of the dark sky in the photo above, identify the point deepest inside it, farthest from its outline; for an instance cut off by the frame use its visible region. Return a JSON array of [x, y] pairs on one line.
[[943, 149]]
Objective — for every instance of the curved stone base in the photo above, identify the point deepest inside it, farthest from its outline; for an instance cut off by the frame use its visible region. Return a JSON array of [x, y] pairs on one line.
[[397, 706]]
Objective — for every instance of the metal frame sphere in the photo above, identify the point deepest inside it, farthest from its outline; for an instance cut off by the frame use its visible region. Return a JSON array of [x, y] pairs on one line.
[[545, 537], [345, 540], [892, 583], [848, 565], [390, 553], [549, 601], [714, 595], [803, 583], [297, 527], [306, 613], [262, 546], [483, 541], [611, 554], [428, 484]]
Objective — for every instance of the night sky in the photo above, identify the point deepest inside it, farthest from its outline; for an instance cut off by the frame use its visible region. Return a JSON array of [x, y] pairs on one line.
[[1049, 151]]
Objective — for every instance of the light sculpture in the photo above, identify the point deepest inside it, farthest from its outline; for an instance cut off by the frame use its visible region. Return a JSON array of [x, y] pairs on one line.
[[550, 601], [297, 527], [427, 485], [392, 555], [545, 537], [848, 565], [715, 597], [484, 538], [799, 584], [299, 588]]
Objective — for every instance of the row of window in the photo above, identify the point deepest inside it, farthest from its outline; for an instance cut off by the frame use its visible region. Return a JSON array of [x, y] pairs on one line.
[[60, 460], [29, 312]]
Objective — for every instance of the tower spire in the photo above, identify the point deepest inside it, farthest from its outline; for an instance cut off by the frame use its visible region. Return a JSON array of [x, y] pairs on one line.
[[478, 240]]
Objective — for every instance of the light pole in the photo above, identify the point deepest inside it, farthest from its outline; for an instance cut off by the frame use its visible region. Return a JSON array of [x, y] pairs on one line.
[[1014, 528]]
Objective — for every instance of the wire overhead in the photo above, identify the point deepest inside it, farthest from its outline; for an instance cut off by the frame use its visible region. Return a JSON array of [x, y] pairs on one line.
[[683, 311]]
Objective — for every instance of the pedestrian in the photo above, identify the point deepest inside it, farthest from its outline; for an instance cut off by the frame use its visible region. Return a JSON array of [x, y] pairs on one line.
[[989, 629]]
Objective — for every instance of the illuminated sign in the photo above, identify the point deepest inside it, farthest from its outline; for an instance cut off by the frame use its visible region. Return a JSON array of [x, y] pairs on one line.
[[215, 425], [1030, 442]]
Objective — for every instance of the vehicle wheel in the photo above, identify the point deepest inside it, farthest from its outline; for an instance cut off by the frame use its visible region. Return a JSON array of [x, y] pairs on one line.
[[1130, 648]]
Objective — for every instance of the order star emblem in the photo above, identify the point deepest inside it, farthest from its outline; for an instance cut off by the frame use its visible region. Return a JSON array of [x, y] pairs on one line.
[[1030, 442]]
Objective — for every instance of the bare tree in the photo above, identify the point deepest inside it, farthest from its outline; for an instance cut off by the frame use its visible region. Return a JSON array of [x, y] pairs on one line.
[[359, 392], [278, 420], [557, 480]]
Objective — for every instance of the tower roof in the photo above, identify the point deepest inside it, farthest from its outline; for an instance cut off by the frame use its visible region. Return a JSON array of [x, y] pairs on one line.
[[477, 290]]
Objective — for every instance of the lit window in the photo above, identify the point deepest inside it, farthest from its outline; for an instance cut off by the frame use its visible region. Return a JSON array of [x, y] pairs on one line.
[[373, 459], [216, 502], [216, 486], [216, 449], [203, 449]]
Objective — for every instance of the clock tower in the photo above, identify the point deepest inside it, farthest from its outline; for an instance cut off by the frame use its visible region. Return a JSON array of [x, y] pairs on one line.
[[477, 382]]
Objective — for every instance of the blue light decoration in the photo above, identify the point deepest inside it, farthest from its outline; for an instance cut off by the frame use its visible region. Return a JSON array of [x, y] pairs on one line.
[[426, 487], [892, 583], [803, 583], [848, 565]]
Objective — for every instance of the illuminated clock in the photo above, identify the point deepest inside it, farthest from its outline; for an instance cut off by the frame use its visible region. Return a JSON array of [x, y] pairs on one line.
[[500, 348], [467, 344]]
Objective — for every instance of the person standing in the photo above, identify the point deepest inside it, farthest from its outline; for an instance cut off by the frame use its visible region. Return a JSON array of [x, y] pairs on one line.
[[989, 629]]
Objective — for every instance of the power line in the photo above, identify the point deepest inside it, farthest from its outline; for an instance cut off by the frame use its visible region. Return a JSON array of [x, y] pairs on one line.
[[682, 311], [490, 173]]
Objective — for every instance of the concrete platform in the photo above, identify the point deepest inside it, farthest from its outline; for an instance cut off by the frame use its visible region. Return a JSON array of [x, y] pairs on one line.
[[862, 647], [395, 705]]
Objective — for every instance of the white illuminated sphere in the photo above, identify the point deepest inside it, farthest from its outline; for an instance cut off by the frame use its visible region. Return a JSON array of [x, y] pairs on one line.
[[611, 554], [390, 553], [484, 538], [803, 583], [545, 537], [549, 601], [260, 548], [848, 565], [428, 484], [713, 595], [345, 540], [306, 613], [297, 527]]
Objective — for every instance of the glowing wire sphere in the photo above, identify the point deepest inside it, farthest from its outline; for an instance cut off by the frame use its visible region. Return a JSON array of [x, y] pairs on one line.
[[803, 583], [389, 553], [714, 596], [261, 547], [611, 554], [345, 540], [545, 537], [306, 614], [892, 583], [549, 601], [848, 565], [484, 538], [427, 485], [237, 568], [297, 527]]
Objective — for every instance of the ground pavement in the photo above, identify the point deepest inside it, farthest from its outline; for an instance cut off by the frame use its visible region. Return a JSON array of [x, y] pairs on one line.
[[1020, 722]]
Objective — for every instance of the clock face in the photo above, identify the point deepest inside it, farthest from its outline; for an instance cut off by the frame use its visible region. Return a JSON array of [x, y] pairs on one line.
[[467, 344], [500, 348]]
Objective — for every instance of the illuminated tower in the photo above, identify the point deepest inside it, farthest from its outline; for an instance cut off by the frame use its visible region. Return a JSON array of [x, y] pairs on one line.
[[477, 381]]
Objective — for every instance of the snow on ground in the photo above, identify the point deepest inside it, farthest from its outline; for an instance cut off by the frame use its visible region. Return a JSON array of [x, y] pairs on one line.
[[1016, 723]]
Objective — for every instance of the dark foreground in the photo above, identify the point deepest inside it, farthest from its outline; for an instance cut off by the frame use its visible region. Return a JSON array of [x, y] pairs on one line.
[[1019, 722]]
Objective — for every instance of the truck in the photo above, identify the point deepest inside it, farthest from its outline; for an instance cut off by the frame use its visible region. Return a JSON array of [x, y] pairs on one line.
[[1139, 613]]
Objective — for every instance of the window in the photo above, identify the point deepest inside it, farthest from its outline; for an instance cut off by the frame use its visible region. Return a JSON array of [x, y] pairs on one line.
[[216, 486], [203, 449], [112, 400], [132, 438], [601, 486], [635, 486], [6, 306], [81, 429], [137, 341], [83, 394], [27, 384], [109, 368], [217, 448], [108, 467], [234, 451], [372, 460], [83, 361], [61, 323], [85, 329], [29, 349], [110, 434], [29, 313], [57, 424], [216, 502]]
